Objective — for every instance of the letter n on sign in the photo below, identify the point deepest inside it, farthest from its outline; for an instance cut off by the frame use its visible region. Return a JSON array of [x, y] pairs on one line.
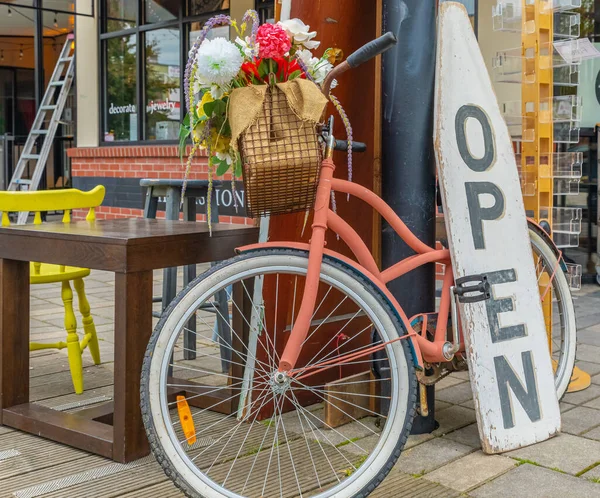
[[505, 335]]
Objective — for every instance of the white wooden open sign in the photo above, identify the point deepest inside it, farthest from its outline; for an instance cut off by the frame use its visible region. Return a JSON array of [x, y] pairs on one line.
[[507, 349]]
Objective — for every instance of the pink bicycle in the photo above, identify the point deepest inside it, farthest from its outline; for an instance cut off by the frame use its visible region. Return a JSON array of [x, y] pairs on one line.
[[323, 367]]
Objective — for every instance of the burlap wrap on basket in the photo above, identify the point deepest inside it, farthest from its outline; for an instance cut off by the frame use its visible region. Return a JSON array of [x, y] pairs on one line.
[[274, 128]]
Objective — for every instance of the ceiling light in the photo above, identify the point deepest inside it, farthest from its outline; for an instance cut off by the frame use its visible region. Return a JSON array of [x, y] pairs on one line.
[[55, 20], [9, 12], [21, 53]]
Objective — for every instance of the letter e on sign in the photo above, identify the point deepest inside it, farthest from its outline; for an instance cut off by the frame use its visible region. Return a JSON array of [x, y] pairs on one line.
[[505, 335]]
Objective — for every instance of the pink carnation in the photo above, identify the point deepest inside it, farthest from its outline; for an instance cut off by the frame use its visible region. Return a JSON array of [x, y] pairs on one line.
[[273, 41]]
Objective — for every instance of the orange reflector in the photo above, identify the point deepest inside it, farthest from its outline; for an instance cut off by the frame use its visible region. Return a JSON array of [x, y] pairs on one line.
[[187, 422]]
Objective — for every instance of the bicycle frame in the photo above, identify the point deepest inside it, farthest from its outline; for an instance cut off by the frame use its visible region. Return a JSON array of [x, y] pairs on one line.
[[324, 219]]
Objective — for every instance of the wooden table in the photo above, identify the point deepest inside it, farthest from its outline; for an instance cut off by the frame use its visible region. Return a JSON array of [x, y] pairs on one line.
[[131, 248]]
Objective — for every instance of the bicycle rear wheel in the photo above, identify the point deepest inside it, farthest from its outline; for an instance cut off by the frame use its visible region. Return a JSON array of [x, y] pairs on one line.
[[333, 428], [556, 298]]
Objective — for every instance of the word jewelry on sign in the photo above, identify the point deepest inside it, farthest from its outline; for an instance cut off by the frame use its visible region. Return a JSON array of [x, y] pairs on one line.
[[161, 105]]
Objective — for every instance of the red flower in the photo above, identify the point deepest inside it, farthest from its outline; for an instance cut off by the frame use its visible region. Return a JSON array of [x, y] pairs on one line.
[[272, 41], [286, 68]]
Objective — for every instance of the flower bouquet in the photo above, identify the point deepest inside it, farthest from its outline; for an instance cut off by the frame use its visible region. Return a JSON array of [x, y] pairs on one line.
[[253, 105]]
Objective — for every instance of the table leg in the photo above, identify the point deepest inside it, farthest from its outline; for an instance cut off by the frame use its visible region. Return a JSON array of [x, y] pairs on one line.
[[14, 333], [133, 326], [189, 274], [170, 274], [150, 204]]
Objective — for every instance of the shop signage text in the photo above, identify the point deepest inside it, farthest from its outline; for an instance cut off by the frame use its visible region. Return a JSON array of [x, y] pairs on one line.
[[123, 109], [505, 335]]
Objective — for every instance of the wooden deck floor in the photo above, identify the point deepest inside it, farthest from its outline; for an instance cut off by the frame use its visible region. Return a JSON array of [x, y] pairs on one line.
[[31, 466]]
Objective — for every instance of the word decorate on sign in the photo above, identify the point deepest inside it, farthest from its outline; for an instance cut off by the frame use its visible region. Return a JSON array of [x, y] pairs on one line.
[[123, 109], [505, 335]]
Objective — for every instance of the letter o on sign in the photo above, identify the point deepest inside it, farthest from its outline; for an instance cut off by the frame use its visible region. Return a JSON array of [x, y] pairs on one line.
[[460, 125]]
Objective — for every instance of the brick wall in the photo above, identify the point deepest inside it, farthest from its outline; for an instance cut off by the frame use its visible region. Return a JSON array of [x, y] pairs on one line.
[[120, 168]]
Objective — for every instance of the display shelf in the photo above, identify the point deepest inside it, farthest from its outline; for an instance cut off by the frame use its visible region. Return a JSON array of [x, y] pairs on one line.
[[573, 275], [567, 25], [564, 112], [559, 5], [566, 133], [558, 53], [565, 240], [507, 15], [564, 219], [521, 128], [512, 66], [561, 109], [564, 167]]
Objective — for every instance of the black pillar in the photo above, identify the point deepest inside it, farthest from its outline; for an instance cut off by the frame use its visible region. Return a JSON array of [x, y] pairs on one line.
[[38, 51], [408, 169]]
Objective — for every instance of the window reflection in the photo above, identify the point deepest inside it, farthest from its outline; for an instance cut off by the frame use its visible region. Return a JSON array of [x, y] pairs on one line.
[[161, 10], [198, 7], [121, 14], [162, 84], [120, 113]]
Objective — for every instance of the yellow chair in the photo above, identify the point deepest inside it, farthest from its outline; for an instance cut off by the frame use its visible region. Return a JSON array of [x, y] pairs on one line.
[[44, 273]]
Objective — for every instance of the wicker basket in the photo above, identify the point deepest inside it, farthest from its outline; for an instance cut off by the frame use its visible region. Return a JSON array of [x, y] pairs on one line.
[[281, 157]]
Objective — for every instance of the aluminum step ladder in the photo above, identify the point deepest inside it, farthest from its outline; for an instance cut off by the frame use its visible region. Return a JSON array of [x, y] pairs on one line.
[[40, 139]]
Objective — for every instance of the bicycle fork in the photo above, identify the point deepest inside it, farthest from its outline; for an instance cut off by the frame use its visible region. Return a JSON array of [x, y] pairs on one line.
[[300, 329]]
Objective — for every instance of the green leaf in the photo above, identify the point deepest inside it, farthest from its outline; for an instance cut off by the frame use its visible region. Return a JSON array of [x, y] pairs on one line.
[[222, 168], [184, 133], [209, 108], [238, 167], [295, 74], [263, 68], [215, 160]]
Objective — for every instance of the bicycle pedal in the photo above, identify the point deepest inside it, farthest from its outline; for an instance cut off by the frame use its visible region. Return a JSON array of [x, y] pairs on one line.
[[472, 288]]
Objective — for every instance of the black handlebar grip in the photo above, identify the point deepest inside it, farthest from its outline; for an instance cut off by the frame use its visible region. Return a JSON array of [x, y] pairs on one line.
[[356, 146], [372, 49]]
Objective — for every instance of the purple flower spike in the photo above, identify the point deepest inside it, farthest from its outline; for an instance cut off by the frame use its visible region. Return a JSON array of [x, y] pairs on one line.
[[304, 69], [252, 15]]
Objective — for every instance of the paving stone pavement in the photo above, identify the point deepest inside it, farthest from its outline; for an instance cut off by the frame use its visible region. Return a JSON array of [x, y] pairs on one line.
[[568, 465]]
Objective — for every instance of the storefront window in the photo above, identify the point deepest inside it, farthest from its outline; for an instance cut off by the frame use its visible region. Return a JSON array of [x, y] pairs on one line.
[[142, 65], [162, 84], [120, 108], [266, 10], [199, 7], [120, 14], [161, 10], [6, 100]]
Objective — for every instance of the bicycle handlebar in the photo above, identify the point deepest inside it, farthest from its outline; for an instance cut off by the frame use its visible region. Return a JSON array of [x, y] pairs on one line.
[[356, 146], [362, 55], [372, 49]]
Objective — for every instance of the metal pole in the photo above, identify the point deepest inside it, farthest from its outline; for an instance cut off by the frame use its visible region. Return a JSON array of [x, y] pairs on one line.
[[38, 51], [408, 169]]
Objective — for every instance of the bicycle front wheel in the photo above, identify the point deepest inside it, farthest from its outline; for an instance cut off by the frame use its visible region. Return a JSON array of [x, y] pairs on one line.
[[333, 427]]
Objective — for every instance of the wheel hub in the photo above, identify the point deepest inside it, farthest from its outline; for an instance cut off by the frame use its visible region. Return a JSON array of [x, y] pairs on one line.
[[280, 382]]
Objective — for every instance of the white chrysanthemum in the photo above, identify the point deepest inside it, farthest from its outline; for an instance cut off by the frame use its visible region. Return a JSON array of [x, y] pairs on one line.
[[219, 61]]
